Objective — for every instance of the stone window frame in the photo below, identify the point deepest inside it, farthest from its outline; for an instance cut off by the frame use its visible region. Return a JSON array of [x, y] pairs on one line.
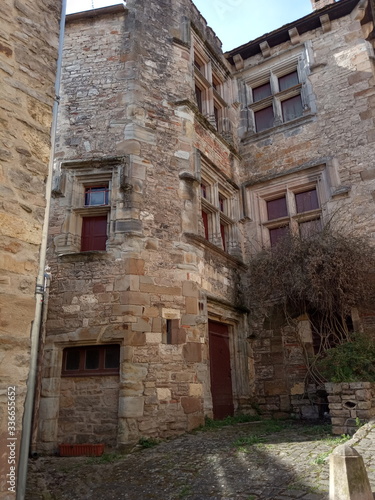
[[221, 205], [289, 185], [75, 176], [82, 371], [211, 80], [270, 72]]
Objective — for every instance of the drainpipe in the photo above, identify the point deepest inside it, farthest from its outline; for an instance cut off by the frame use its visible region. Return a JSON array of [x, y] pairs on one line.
[[40, 287]]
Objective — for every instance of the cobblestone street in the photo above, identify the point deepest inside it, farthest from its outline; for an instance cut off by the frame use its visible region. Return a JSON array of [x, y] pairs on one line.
[[269, 460]]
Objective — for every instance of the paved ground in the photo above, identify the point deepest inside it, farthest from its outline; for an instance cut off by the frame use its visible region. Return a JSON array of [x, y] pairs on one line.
[[271, 460]]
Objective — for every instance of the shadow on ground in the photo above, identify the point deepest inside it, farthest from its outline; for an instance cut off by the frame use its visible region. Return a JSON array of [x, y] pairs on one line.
[[245, 461]]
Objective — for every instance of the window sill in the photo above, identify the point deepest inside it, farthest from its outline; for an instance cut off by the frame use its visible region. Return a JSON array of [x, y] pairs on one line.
[[251, 137], [88, 256], [201, 241], [98, 373]]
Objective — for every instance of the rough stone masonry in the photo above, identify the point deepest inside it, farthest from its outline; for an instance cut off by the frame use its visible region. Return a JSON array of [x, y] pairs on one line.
[[28, 54], [186, 147]]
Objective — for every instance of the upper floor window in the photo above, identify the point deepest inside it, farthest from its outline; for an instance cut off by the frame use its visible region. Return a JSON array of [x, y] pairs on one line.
[[219, 206], [87, 193], [277, 100], [293, 211], [96, 195], [210, 82]]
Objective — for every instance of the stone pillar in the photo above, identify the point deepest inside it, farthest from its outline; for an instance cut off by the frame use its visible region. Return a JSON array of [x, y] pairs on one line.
[[347, 475]]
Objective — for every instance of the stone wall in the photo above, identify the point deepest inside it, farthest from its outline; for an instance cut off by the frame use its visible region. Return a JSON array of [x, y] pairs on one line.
[[350, 405], [127, 117], [329, 145], [88, 410], [28, 54]]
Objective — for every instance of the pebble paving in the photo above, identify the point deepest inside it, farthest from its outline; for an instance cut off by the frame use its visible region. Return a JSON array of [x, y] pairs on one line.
[[269, 460]]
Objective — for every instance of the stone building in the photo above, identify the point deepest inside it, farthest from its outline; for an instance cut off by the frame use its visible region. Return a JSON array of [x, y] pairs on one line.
[[168, 152], [28, 53]]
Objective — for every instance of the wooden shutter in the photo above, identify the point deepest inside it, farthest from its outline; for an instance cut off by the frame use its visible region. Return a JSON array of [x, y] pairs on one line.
[[94, 233]]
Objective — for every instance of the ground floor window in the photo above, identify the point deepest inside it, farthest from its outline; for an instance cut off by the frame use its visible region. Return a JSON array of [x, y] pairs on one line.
[[91, 360]]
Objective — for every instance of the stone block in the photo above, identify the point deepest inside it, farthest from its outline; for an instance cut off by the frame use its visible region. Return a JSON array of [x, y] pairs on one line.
[[153, 337], [195, 390], [334, 399], [363, 395], [140, 325], [135, 339], [191, 305], [347, 475], [131, 407], [192, 352], [188, 320], [364, 405], [285, 403], [135, 266], [125, 283], [298, 388], [275, 387], [159, 290], [190, 289], [163, 394], [194, 421], [338, 421], [135, 298], [191, 404]]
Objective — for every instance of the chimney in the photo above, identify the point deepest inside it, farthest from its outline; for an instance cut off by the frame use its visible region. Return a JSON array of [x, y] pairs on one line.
[[319, 4]]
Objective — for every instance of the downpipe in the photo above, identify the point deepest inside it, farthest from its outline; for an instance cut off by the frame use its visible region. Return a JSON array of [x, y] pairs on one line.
[[40, 287]]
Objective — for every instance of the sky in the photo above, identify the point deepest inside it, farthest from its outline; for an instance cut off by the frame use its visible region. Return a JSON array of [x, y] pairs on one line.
[[235, 22]]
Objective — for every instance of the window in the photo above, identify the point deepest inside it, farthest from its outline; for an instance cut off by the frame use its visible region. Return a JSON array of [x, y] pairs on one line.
[[85, 193], [94, 228], [218, 208], [173, 333], [96, 195], [94, 233], [277, 99], [296, 211], [91, 360], [210, 86]]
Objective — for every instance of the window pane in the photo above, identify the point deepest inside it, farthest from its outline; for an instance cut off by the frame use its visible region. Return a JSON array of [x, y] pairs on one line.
[[264, 118], [223, 237], [72, 359], [309, 228], [198, 95], [92, 359], [112, 357], [292, 108], [277, 208], [308, 200], [277, 234], [261, 92], [204, 191], [287, 81], [205, 223], [222, 203], [96, 196], [216, 114]]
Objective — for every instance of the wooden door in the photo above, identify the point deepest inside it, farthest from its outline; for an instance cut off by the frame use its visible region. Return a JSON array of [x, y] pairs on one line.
[[220, 370], [94, 233]]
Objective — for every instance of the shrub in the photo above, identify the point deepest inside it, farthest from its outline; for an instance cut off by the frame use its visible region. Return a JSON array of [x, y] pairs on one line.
[[352, 361]]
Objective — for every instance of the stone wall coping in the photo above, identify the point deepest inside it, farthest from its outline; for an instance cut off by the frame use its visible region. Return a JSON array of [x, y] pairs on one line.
[[89, 14]]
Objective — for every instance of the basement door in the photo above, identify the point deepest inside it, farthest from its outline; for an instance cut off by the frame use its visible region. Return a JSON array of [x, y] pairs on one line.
[[220, 371]]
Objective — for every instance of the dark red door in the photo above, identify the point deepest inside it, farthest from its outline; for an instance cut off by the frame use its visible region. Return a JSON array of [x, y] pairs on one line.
[[220, 372], [94, 233]]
